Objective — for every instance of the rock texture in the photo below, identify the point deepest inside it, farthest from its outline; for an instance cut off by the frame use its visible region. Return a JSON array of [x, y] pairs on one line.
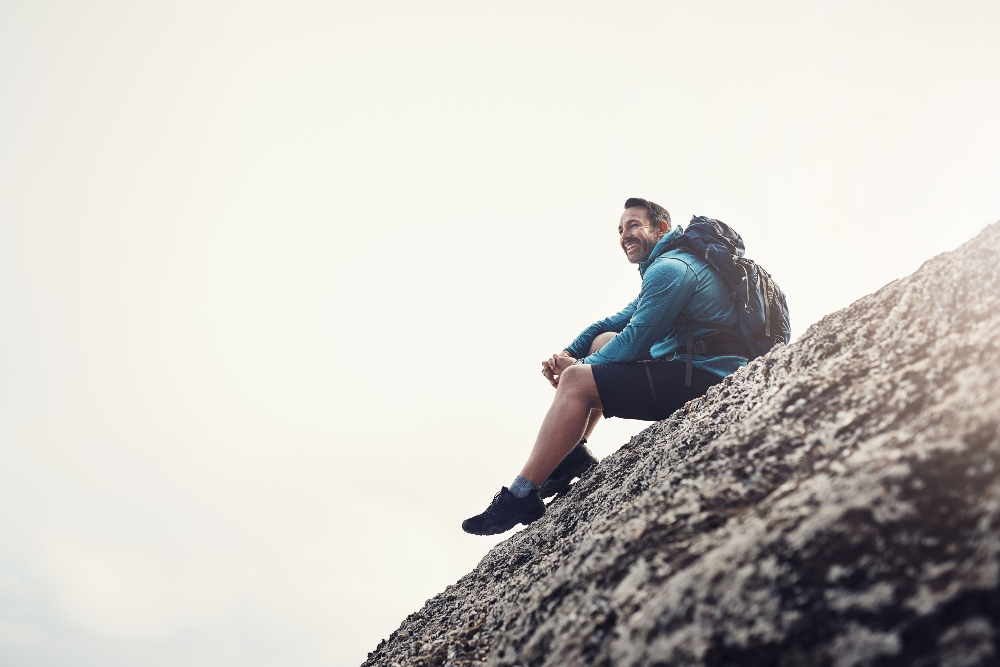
[[835, 503]]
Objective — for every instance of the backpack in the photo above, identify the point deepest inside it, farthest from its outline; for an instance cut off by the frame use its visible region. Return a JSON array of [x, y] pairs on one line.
[[761, 307]]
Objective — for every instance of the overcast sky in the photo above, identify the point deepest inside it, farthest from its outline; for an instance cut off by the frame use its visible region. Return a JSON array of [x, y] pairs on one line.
[[276, 278]]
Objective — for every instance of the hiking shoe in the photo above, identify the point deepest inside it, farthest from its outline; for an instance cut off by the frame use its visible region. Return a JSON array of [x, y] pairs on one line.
[[505, 512], [573, 465]]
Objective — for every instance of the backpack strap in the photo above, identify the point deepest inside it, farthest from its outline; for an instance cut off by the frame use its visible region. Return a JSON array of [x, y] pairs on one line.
[[732, 346], [688, 360]]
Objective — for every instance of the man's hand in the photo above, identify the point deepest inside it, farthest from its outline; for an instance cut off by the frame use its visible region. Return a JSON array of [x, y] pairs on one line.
[[552, 368]]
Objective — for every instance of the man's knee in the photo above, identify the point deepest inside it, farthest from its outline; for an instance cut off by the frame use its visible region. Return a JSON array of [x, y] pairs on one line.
[[601, 340], [579, 380]]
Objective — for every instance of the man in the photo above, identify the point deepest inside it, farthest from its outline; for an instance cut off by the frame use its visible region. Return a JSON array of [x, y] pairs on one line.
[[631, 365]]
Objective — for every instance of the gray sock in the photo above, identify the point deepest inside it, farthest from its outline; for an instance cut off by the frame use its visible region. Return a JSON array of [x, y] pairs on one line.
[[521, 487]]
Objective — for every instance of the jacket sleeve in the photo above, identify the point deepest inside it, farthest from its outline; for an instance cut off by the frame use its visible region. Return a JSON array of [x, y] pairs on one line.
[[617, 322], [666, 287]]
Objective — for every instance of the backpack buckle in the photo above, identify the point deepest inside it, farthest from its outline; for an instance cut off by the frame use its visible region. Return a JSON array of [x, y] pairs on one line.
[[700, 347]]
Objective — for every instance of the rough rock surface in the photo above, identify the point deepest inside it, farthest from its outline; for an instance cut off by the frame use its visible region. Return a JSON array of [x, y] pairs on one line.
[[835, 503]]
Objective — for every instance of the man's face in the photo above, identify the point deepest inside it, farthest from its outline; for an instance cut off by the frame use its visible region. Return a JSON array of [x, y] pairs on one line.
[[638, 237]]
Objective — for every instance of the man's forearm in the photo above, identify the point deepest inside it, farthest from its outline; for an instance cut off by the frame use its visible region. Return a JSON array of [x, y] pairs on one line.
[[581, 344], [578, 348]]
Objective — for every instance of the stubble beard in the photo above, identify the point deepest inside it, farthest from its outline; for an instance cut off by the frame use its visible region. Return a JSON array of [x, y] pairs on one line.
[[644, 250]]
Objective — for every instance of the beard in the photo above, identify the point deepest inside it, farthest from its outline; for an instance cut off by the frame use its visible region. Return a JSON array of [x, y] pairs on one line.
[[642, 252]]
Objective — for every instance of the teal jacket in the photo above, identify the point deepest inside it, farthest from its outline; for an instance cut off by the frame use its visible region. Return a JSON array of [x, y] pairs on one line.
[[674, 283]]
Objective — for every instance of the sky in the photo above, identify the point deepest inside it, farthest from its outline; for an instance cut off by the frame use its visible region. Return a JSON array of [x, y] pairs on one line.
[[276, 278]]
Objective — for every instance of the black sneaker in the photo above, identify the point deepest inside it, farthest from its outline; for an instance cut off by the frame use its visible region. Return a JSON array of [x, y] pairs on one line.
[[573, 465], [505, 512]]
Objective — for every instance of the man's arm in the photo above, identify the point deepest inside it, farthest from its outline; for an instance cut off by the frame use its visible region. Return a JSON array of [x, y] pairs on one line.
[[666, 287], [616, 323], [552, 367]]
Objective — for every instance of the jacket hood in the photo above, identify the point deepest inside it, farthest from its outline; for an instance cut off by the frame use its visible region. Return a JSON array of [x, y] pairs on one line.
[[666, 244]]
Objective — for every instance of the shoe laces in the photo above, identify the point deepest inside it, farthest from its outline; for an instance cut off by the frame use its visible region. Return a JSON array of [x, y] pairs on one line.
[[495, 503]]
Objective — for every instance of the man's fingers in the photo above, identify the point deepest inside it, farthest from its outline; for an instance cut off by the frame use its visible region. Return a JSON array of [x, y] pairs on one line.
[[553, 380], [551, 367], [549, 370]]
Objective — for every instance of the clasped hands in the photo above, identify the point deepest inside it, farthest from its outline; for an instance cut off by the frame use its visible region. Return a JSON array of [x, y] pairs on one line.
[[552, 368]]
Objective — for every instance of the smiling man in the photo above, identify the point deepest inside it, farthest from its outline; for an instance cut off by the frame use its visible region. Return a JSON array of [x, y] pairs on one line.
[[631, 365]]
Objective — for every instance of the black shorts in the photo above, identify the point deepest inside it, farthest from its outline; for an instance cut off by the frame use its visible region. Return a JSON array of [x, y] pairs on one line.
[[648, 390]]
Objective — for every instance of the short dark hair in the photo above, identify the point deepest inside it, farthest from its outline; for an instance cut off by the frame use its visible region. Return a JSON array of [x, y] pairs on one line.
[[655, 212]]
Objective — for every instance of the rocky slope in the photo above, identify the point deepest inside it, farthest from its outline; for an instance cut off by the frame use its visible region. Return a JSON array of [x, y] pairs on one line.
[[835, 503]]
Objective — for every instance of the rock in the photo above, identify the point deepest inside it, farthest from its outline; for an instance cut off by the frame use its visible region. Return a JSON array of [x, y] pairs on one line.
[[837, 502]]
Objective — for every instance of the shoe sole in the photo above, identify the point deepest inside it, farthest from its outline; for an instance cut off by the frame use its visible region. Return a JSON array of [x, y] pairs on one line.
[[563, 482], [503, 528]]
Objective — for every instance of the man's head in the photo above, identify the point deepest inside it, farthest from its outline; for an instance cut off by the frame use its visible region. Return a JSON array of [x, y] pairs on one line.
[[642, 225]]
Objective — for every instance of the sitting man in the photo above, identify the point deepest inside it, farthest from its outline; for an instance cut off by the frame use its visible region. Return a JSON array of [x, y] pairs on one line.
[[630, 365]]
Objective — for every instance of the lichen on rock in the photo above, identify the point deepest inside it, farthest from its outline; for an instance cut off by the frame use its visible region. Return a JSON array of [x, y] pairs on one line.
[[837, 502]]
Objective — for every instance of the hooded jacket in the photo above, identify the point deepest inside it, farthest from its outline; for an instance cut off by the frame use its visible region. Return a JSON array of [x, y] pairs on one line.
[[674, 283]]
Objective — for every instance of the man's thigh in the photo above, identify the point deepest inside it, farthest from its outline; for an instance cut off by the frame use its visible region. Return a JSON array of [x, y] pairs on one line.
[[600, 341], [649, 391]]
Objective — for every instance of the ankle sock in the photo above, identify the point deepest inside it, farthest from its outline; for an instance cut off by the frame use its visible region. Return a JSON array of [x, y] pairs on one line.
[[521, 487]]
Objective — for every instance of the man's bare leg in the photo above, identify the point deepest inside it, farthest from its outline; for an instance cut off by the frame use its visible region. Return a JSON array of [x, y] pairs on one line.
[[568, 417], [596, 414]]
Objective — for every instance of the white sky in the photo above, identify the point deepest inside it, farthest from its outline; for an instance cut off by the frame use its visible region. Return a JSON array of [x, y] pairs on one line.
[[276, 278]]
